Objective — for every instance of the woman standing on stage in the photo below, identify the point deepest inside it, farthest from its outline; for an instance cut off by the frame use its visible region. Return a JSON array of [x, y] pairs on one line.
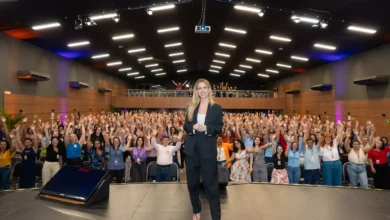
[[203, 123]]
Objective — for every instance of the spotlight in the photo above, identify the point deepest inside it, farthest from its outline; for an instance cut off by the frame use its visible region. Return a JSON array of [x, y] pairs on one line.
[[261, 13], [296, 20], [314, 26], [149, 12], [116, 18], [324, 24], [78, 23], [89, 22]]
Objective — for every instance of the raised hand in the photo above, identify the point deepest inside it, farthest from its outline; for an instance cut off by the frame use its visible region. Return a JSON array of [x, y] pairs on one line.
[[3, 119], [24, 120]]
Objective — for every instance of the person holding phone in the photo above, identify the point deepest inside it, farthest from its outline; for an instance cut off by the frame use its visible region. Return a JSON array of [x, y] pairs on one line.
[[203, 123]]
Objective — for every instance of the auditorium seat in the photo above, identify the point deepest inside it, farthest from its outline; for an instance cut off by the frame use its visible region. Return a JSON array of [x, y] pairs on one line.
[[270, 168], [370, 177], [38, 173], [345, 174], [42, 159], [15, 175]]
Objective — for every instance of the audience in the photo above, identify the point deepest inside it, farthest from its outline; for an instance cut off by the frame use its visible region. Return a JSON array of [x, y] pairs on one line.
[[6, 154], [240, 171]]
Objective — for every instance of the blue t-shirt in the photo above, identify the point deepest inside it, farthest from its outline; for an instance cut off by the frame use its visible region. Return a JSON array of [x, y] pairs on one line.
[[73, 151], [115, 157], [295, 156]]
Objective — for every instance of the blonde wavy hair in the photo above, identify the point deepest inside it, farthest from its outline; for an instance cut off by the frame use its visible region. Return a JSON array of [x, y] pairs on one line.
[[195, 98]]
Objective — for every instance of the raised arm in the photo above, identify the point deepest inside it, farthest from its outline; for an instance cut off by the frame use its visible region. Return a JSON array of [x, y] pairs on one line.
[[5, 126]]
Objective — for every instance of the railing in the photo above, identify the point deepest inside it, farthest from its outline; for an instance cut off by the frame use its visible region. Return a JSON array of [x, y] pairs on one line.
[[216, 93]]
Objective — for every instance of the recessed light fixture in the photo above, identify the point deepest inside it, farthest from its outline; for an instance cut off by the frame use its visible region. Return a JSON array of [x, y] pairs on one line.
[[236, 75], [46, 26], [160, 74], [235, 30], [222, 54], [239, 71], [283, 65], [246, 66], [145, 58], [133, 74], [156, 70], [304, 19], [103, 16], [324, 46], [136, 50], [151, 65], [99, 56], [124, 36], [173, 45], [116, 63], [139, 77], [216, 67], [263, 52], [299, 58], [263, 75], [162, 7], [182, 70], [219, 61], [124, 69], [227, 45], [77, 44], [168, 30], [271, 71], [253, 60], [176, 54], [214, 71], [361, 29], [273, 37], [246, 8], [178, 61]]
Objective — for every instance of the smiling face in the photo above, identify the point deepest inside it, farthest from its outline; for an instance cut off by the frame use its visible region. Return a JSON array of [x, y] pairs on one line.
[[257, 141], [202, 90], [280, 150]]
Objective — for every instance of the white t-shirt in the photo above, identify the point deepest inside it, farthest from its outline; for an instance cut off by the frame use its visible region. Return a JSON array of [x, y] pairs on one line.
[[164, 154], [329, 153]]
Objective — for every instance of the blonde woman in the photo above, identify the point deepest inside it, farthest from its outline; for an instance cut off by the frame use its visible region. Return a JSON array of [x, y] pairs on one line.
[[203, 123]]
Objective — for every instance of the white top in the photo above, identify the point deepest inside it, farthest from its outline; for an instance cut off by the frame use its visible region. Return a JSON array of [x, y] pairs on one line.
[[164, 154], [329, 153], [221, 154], [359, 158], [201, 119]]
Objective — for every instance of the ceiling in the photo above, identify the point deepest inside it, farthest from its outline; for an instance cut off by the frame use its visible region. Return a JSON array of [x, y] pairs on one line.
[[199, 49]]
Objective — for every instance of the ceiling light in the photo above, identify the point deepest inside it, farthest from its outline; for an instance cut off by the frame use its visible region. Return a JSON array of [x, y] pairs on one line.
[[156, 70], [361, 29], [76, 44], [160, 74], [216, 67], [117, 18], [222, 54], [176, 54], [173, 45], [219, 61], [162, 7], [283, 65], [139, 77], [323, 24], [145, 58], [136, 50], [253, 60], [263, 75], [178, 61], [235, 30], [304, 19], [182, 70], [264, 52], [273, 37], [133, 74], [299, 58], [168, 30], [100, 56], [125, 36], [271, 71], [236, 75], [324, 46], [239, 71], [246, 8], [114, 63], [214, 71], [149, 12], [78, 23], [227, 45], [103, 16], [124, 69], [151, 65], [46, 26], [245, 66], [261, 13], [89, 22]]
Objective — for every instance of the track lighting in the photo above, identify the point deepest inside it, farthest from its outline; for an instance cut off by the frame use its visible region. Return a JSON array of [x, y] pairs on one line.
[[116, 18], [149, 12], [78, 23], [323, 24], [261, 13], [89, 22]]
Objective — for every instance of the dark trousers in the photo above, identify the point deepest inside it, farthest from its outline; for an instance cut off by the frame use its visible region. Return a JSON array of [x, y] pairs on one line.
[[163, 173], [207, 167], [312, 176], [4, 177], [118, 174], [76, 162], [382, 176], [138, 172]]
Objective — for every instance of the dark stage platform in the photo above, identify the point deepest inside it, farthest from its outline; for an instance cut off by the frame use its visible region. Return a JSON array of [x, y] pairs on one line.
[[239, 202]]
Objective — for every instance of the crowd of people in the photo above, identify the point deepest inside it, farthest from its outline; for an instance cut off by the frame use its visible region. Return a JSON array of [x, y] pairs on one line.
[[125, 143], [220, 90]]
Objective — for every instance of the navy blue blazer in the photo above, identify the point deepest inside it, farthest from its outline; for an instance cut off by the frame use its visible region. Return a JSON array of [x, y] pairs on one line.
[[207, 142]]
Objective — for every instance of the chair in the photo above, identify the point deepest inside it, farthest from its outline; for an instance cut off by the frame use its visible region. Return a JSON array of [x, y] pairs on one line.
[[370, 177], [38, 173], [345, 173], [15, 174], [302, 179], [270, 168], [42, 159], [152, 167], [175, 172]]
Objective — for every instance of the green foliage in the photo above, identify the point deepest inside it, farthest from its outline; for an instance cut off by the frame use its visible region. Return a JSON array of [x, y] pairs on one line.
[[11, 120]]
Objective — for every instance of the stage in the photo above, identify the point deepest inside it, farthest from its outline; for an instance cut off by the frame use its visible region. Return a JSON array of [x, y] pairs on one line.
[[239, 202]]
